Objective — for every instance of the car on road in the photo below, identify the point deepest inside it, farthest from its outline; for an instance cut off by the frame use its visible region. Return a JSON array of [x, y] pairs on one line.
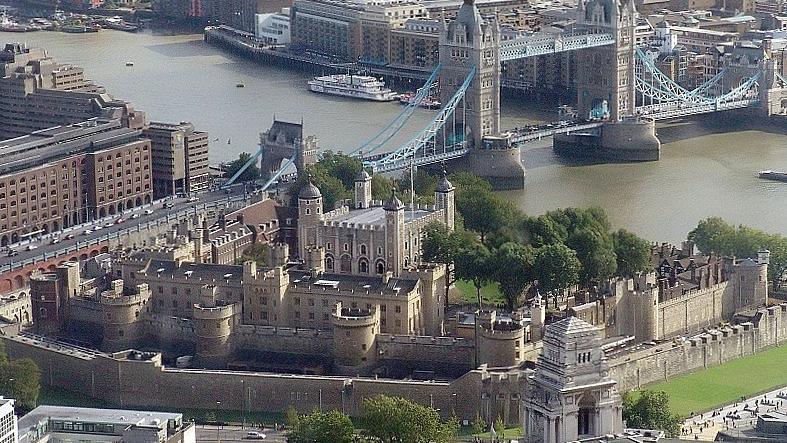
[[168, 205], [193, 199], [148, 211], [109, 225], [70, 237], [54, 241], [31, 247], [135, 215], [254, 435], [120, 220], [12, 253], [87, 232], [97, 227]]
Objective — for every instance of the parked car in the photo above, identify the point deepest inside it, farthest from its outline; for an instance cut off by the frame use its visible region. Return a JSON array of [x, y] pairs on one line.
[[87, 232], [31, 247], [69, 237], [254, 435], [193, 199], [12, 253], [135, 215], [120, 220], [54, 241], [148, 211]]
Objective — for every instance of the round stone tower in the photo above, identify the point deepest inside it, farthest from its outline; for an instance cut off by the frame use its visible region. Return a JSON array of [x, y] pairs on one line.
[[500, 341], [123, 326], [354, 333], [309, 217], [213, 324]]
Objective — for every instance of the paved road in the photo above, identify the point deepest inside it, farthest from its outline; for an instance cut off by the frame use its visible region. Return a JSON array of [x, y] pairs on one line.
[[739, 415], [217, 434], [44, 249]]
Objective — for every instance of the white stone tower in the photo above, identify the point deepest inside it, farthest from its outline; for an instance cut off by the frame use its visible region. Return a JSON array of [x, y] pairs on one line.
[[363, 190], [444, 199], [394, 233], [466, 42], [309, 217], [571, 395]]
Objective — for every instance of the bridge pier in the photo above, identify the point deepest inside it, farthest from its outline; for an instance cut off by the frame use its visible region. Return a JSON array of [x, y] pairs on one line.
[[498, 162], [628, 140]]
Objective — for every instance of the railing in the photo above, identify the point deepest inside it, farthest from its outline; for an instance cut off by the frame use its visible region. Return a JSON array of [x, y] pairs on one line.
[[537, 135], [532, 46]]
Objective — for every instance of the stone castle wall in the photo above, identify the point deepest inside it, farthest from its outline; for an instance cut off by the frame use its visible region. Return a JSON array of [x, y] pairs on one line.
[[694, 310], [652, 364]]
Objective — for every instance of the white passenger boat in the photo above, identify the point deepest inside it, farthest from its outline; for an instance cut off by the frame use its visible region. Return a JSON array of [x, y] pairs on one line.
[[355, 86]]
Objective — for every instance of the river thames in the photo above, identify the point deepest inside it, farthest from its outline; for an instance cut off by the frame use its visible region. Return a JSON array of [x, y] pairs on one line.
[[179, 77]]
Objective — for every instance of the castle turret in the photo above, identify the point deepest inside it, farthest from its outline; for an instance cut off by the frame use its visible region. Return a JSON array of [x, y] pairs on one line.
[[309, 217], [354, 333], [500, 342], [394, 233], [279, 254], [213, 325], [444, 199], [537, 318], [363, 190], [123, 325]]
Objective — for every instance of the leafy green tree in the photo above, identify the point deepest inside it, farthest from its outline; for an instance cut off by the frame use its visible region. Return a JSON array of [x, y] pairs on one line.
[[291, 417], [251, 173], [556, 268], [595, 252], [650, 410], [24, 382], [500, 427], [478, 425], [395, 419], [441, 245], [468, 183], [3, 354], [711, 234], [513, 265], [474, 262], [322, 427], [632, 252], [543, 230], [256, 252], [381, 187], [424, 183], [484, 212], [339, 165]]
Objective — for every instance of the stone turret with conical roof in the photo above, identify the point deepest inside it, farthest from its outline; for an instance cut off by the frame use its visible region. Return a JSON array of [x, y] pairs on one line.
[[310, 215]]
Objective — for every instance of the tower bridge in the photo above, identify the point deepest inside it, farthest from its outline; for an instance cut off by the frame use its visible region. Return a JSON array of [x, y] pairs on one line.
[[620, 94]]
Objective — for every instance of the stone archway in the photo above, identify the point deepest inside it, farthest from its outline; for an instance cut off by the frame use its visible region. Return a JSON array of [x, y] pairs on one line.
[[139, 201], [4, 240], [379, 267], [363, 266], [329, 263], [586, 415], [102, 213]]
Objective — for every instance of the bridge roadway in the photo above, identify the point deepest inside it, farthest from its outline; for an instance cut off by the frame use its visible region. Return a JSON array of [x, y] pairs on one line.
[[45, 250], [674, 110]]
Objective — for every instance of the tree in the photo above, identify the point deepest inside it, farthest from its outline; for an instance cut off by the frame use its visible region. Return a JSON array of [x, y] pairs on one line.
[[513, 271], [381, 187], [322, 427], [441, 245], [251, 173], [474, 262], [291, 417], [632, 252], [595, 252], [395, 419], [650, 410], [543, 230], [424, 183], [339, 165], [478, 425], [483, 212], [711, 234], [330, 187], [556, 267], [256, 252], [500, 427], [25, 382]]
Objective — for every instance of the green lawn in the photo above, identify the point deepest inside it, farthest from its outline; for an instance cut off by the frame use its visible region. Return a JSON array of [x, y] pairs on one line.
[[489, 293], [723, 384]]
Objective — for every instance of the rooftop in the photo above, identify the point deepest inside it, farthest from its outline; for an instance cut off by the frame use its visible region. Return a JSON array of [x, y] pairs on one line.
[[375, 216], [358, 283]]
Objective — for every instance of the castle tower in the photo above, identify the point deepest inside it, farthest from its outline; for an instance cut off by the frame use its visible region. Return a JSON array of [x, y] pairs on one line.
[[363, 190], [465, 43], [500, 343], [354, 333], [394, 233], [444, 199], [606, 74], [538, 313], [309, 217], [571, 395], [123, 325], [213, 325]]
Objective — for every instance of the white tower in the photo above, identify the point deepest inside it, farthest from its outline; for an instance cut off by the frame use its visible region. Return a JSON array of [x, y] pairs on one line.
[[444, 199]]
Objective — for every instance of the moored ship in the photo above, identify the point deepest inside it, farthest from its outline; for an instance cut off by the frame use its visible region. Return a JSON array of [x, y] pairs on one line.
[[773, 175], [408, 98], [354, 86]]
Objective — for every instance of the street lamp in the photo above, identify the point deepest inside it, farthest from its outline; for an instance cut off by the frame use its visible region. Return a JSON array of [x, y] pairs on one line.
[[218, 436]]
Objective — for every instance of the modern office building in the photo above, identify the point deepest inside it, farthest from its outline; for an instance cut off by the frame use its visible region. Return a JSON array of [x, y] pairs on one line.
[[8, 426], [180, 158], [37, 93]]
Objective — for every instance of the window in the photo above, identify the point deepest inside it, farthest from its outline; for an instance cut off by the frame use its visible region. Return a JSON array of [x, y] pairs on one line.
[[297, 301], [363, 249], [398, 309], [311, 315], [297, 314]]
